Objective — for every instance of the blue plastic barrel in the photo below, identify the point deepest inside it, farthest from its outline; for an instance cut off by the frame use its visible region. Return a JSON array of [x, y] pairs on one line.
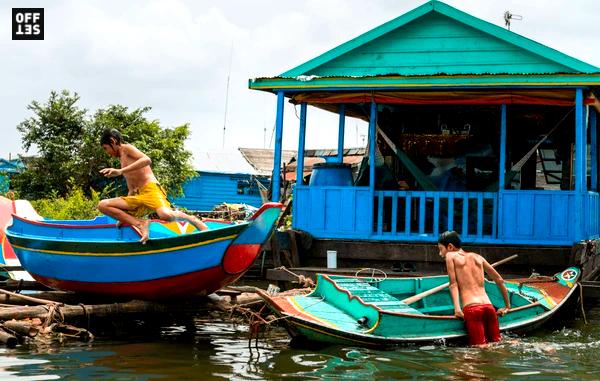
[[331, 174]]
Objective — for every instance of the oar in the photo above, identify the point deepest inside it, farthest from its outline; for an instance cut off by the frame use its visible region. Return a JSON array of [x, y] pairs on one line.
[[416, 298]]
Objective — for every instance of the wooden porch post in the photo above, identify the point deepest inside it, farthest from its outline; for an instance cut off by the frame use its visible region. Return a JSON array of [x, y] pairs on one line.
[[340, 152], [276, 182], [372, 145], [594, 150], [502, 158], [580, 167], [501, 174], [301, 141], [580, 144]]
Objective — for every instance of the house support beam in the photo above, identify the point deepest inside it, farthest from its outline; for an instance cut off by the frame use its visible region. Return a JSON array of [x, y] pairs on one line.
[[276, 182], [301, 143], [340, 150]]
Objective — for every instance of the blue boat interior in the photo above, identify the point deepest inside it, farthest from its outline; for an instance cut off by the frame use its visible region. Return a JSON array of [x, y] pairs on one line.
[[99, 229], [330, 300]]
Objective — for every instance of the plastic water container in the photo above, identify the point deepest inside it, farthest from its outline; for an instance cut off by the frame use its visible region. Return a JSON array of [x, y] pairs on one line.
[[331, 259], [331, 174]]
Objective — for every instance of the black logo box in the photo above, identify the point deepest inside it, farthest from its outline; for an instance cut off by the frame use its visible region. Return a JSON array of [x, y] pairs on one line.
[[28, 23]]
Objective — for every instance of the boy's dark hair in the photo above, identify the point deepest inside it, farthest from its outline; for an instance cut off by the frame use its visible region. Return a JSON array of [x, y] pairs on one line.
[[109, 134], [447, 238]]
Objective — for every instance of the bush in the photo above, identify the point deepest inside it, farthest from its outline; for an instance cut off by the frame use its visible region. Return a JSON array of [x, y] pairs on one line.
[[75, 206]]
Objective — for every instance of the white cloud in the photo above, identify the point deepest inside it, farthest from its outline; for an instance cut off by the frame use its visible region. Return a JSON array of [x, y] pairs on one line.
[[174, 56]]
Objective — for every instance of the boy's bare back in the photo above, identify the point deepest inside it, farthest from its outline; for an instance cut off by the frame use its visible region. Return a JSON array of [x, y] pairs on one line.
[[469, 274]]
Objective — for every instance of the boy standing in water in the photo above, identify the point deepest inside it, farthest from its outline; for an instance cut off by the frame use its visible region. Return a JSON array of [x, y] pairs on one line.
[[144, 191], [466, 276]]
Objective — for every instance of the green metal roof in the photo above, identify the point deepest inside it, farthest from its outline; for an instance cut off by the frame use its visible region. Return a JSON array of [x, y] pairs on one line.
[[436, 45]]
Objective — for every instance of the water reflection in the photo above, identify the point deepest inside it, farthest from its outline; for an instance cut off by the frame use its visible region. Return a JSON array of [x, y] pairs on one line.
[[219, 349]]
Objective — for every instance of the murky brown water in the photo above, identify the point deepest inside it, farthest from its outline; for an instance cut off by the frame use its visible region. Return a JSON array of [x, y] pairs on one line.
[[219, 350]]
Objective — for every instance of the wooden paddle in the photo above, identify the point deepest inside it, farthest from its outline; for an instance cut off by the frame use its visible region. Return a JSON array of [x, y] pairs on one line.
[[416, 298]]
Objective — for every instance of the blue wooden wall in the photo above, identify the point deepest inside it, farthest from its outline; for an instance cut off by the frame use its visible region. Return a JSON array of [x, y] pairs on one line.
[[208, 189]]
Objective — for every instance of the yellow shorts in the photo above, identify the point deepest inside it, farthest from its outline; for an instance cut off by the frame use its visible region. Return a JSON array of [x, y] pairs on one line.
[[148, 198]]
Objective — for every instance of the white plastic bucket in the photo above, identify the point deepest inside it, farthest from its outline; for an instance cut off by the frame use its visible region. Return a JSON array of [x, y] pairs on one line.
[[331, 259]]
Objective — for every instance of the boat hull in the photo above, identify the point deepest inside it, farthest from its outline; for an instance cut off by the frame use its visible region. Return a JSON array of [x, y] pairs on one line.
[[368, 316], [104, 259]]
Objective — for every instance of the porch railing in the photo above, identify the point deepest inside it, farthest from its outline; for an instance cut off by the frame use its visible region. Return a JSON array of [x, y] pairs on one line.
[[508, 217], [424, 215]]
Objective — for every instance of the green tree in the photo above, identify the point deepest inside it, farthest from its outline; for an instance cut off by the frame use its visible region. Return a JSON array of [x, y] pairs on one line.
[[70, 156], [56, 131], [164, 146]]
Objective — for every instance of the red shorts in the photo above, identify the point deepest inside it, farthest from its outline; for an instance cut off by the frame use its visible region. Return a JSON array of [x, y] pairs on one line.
[[481, 323]]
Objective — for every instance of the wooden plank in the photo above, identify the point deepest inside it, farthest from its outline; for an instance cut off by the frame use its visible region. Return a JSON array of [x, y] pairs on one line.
[[394, 227], [436, 215], [480, 215], [451, 212], [422, 215], [407, 214], [380, 199], [465, 216]]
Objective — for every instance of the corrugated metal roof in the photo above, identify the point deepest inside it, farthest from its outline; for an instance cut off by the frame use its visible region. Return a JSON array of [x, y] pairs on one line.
[[222, 162], [261, 159], [434, 45]]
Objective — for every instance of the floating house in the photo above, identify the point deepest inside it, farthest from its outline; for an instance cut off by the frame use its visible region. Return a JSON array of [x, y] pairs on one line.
[[222, 177], [472, 128], [234, 177]]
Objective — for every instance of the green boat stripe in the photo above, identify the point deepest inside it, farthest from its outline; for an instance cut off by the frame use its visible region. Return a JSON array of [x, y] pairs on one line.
[[117, 254], [36, 243]]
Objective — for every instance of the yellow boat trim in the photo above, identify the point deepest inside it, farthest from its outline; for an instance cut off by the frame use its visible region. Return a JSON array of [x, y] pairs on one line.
[[129, 253], [301, 309]]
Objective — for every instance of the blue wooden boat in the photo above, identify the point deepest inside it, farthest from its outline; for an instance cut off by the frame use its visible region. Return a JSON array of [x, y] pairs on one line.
[[373, 311], [98, 257]]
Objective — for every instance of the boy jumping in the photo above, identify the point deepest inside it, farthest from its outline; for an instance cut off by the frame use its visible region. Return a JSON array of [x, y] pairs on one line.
[[144, 191]]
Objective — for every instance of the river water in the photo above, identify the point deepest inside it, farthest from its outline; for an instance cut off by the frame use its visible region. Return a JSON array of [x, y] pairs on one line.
[[216, 349]]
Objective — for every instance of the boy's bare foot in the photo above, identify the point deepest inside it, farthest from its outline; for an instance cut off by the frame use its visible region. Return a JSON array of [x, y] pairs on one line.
[[198, 224], [143, 229]]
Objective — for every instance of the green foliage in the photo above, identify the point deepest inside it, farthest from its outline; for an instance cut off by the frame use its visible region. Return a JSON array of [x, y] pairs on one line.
[[164, 146], [56, 131], [70, 156], [75, 206]]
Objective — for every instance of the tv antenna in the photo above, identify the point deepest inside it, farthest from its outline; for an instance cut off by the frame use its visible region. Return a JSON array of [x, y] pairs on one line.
[[509, 16], [227, 93]]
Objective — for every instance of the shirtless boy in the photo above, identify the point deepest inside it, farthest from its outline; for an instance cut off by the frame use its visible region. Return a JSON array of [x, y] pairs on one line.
[[144, 191], [466, 275]]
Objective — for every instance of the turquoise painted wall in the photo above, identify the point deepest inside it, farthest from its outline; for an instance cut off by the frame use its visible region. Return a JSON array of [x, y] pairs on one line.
[[437, 44]]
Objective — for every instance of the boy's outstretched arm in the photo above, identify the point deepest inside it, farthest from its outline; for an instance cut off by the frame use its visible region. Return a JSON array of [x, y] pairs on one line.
[[453, 286], [495, 276]]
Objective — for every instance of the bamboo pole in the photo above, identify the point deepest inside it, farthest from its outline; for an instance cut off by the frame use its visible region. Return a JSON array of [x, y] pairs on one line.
[[8, 339], [417, 297], [23, 328]]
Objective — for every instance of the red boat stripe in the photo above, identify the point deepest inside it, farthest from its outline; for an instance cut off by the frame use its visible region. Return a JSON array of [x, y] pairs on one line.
[[239, 257], [200, 282]]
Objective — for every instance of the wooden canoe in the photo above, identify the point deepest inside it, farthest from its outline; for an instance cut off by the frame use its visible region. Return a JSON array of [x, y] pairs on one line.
[[370, 312], [178, 261]]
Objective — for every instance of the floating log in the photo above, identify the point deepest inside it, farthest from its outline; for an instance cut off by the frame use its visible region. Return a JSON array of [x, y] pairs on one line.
[[20, 327], [106, 310], [8, 339]]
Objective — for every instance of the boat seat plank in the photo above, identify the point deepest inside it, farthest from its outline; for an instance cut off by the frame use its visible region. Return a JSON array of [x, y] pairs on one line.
[[375, 296]]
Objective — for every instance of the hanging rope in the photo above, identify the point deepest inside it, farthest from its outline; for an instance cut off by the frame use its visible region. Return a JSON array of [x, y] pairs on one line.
[[304, 281], [581, 303]]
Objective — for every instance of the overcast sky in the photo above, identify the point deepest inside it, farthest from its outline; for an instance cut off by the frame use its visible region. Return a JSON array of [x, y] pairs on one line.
[[175, 57]]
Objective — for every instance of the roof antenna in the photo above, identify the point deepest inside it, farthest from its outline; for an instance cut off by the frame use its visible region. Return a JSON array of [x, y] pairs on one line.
[[509, 16], [227, 93]]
